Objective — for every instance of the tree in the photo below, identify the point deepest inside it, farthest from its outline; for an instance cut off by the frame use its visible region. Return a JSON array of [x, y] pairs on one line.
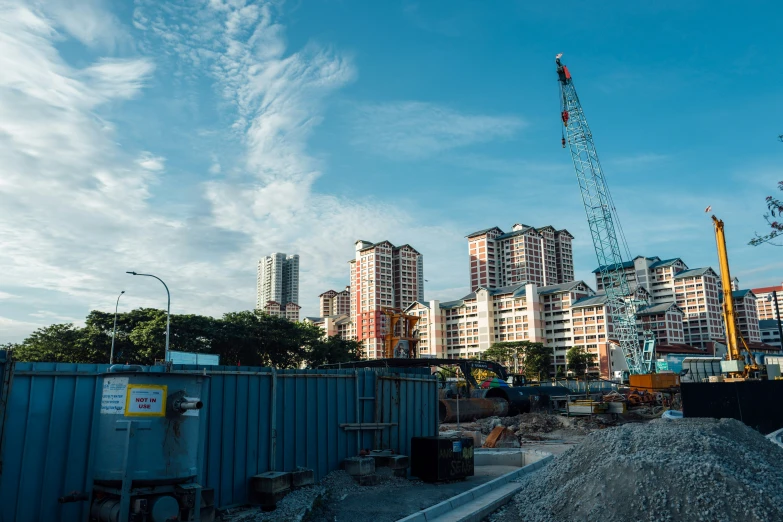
[[537, 359], [579, 360], [774, 210], [62, 343]]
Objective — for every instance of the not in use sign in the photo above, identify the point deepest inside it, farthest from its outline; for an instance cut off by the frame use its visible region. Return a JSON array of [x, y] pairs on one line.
[[145, 400]]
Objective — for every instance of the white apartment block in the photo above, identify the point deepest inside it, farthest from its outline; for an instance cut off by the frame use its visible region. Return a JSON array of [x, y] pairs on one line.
[[382, 276], [278, 282], [333, 302], [765, 302], [747, 315], [696, 292], [542, 256], [288, 311]]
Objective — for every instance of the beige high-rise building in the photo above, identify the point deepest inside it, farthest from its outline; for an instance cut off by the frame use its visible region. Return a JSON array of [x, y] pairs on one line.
[[542, 256], [382, 276], [765, 302], [333, 302]]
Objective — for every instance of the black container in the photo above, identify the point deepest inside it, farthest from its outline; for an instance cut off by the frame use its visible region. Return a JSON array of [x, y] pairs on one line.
[[435, 459], [758, 404]]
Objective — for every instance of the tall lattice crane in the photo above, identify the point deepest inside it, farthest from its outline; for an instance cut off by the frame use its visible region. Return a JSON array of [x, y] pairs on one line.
[[605, 229]]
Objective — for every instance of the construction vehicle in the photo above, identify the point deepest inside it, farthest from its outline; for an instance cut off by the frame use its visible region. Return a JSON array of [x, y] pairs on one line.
[[735, 364], [605, 229]]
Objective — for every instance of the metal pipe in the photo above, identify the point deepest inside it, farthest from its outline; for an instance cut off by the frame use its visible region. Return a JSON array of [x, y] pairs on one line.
[[273, 423], [182, 405], [73, 497], [471, 409], [125, 368]]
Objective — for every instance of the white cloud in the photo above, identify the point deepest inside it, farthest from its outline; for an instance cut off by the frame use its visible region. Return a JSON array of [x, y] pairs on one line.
[[415, 130], [13, 330], [150, 162], [6, 295], [87, 20]]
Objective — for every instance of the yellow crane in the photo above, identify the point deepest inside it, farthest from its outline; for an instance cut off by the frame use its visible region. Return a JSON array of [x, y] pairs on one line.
[[734, 364]]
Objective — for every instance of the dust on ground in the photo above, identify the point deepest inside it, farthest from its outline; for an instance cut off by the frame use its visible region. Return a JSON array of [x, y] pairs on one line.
[[688, 469]]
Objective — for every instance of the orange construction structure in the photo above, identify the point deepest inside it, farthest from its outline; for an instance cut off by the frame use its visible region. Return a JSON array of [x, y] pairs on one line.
[[400, 328]]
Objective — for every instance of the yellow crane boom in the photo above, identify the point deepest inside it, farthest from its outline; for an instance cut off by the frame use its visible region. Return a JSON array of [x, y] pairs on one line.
[[733, 336]]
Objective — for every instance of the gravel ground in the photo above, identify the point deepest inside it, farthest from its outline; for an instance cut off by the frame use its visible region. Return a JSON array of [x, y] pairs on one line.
[[293, 507], [684, 470]]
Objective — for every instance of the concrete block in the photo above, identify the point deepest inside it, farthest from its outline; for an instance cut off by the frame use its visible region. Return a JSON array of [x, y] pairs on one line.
[[367, 480], [302, 477], [357, 466], [402, 472], [398, 462], [271, 482]]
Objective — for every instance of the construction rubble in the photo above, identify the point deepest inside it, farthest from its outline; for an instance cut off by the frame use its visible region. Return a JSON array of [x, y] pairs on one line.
[[688, 469], [526, 427]]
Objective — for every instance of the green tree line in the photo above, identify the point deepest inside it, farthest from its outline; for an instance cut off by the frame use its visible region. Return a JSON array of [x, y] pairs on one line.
[[248, 338], [535, 360]]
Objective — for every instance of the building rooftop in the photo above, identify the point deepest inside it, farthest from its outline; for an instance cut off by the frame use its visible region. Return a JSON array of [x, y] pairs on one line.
[[516, 233], [658, 309], [314, 319], [694, 272], [679, 348], [562, 287], [738, 294], [667, 262], [625, 264], [484, 231], [594, 300], [768, 289], [768, 324]]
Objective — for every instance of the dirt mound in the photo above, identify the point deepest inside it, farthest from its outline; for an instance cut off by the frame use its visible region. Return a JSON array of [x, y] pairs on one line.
[[689, 469]]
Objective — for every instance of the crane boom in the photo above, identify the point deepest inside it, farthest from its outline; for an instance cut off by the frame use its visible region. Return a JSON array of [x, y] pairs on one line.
[[733, 336], [605, 228]]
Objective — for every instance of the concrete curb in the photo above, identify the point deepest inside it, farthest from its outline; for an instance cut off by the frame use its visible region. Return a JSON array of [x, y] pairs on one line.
[[485, 508]]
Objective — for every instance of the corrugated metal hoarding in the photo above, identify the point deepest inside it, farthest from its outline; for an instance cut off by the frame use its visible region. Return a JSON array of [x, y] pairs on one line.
[[259, 420]]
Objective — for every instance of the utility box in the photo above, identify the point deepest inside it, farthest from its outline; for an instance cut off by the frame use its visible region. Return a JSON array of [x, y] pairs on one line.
[[435, 459], [654, 382], [734, 366]]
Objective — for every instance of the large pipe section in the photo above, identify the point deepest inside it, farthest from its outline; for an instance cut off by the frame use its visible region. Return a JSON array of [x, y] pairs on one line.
[[471, 409]]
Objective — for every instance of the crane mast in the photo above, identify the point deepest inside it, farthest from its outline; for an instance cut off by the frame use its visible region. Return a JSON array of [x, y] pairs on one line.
[[605, 228]]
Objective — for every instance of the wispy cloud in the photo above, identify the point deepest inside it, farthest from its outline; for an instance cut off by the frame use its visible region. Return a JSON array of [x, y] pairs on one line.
[[6, 295], [414, 130], [644, 159]]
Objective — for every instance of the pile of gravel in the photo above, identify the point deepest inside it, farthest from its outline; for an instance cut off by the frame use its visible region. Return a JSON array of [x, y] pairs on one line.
[[689, 469]]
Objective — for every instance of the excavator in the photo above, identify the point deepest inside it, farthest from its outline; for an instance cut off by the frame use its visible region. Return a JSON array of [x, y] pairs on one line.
[[736, 365]]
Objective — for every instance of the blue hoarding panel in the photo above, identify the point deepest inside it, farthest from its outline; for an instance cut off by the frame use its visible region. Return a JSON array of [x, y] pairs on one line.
[[49, 410]]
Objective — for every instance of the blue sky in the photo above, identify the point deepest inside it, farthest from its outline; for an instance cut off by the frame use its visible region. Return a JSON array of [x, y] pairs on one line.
[[187, 139]]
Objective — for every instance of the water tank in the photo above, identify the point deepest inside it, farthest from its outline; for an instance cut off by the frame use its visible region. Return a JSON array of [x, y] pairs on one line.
[[163, 410]]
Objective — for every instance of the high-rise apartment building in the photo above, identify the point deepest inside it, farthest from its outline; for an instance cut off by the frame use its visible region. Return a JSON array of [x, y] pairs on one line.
[[765, 302], [278, 282], [542, 256], [332, 302], [382, 276]]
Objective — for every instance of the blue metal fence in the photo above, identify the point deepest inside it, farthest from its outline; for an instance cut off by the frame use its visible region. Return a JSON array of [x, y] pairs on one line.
[[258, 419]]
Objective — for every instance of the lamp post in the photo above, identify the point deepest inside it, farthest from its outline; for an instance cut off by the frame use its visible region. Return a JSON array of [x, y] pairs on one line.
[[114, 331], [168, 310], [774, 298]]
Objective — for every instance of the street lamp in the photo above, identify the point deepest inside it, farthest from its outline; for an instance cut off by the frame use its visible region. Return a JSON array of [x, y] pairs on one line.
[[168, 310], [114, 331]]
